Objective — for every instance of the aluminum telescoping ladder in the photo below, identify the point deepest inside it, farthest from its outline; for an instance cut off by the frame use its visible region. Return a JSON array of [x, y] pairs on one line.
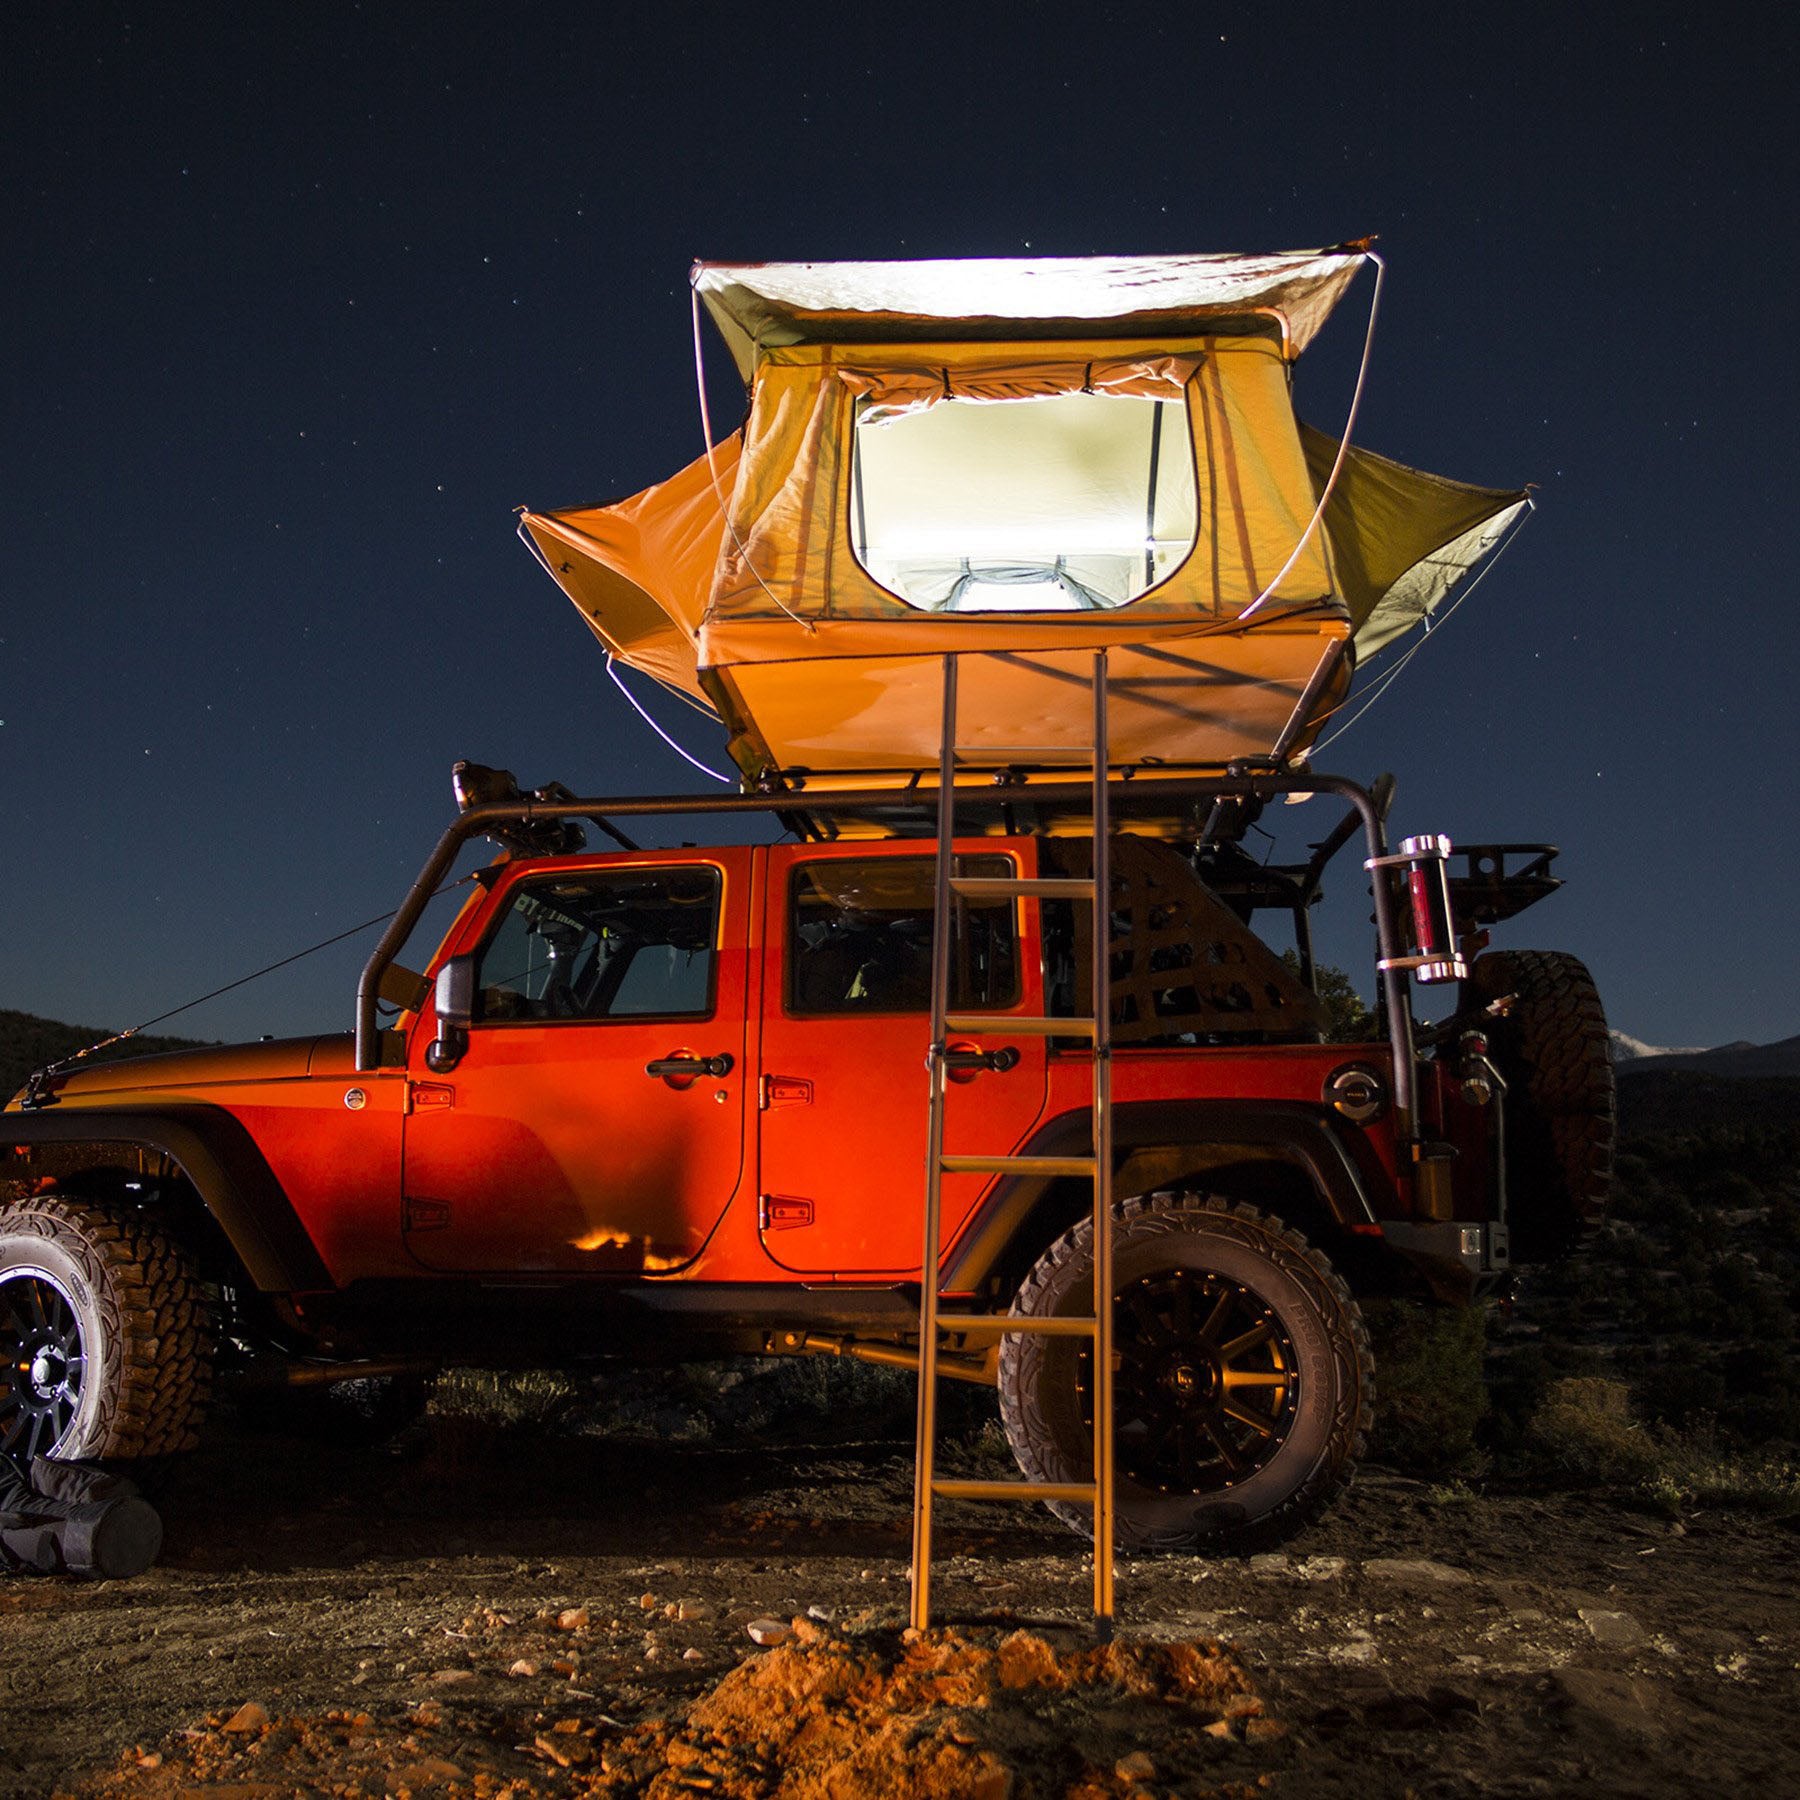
[[928, 1486]]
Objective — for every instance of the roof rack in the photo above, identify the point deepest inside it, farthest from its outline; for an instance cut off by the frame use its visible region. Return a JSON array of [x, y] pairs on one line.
[[508, 818]]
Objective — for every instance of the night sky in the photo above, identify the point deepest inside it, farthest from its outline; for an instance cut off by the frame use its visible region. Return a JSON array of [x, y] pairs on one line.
[[301, 302]]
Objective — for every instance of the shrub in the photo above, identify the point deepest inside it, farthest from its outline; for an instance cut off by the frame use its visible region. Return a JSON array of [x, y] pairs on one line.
[[1584, 1433], [1429, 1390]]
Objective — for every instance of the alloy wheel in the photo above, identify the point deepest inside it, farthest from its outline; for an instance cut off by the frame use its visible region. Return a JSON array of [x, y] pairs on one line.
[[1205, 1386], [45, 1362]]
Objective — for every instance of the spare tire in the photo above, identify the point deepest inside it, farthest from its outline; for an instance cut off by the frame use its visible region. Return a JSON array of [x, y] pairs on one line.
[[1561, 1116]]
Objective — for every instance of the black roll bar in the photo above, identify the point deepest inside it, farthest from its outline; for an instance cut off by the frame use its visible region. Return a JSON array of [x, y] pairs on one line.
[[1232, 785]]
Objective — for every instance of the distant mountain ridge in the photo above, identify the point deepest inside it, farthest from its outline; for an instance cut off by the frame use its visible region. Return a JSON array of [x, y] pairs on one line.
[[1740, 1059], [27, 1043]]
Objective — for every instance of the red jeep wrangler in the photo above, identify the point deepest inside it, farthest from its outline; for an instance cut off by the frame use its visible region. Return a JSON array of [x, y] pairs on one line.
[[673, 1103]]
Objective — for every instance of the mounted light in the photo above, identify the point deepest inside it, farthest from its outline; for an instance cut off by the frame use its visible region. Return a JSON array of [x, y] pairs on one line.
[[475, 784], [1425, 864]]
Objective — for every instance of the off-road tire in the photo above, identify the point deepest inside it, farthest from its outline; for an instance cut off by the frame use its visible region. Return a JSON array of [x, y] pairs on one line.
[[143, 1324], [1196, 1235], [1561, 1111]]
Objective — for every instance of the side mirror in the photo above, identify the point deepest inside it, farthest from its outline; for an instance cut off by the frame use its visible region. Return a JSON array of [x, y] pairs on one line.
[[1381, 791], [455, 1006]]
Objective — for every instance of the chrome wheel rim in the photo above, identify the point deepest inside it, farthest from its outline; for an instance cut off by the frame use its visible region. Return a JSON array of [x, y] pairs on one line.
[[45, 1366]]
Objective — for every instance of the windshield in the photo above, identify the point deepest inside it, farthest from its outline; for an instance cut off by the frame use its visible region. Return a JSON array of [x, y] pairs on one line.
[[605, 944]]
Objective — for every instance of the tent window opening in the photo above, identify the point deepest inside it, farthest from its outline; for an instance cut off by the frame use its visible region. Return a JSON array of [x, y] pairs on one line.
[[1069, 502]]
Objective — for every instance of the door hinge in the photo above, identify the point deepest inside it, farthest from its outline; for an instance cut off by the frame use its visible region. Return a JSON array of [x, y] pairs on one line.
[[429, 1096], [784, 1090], [782, 1212]]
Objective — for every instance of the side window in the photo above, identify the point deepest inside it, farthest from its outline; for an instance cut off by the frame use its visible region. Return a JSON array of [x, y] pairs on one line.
[[859, 938], [605, 944]]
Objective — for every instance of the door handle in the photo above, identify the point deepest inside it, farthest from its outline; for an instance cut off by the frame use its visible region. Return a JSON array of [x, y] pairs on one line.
[[690, 1066], [995, 1062]]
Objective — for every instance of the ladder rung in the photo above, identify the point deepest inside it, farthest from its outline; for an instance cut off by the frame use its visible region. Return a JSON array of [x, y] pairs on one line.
[[949, 1489], [1009, 1025], [1018, 1165], [1009, 887], [998, 1324]]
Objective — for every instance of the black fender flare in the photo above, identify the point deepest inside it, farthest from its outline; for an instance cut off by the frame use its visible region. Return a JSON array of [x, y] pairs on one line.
[[1287, 1131], [221, 1159]]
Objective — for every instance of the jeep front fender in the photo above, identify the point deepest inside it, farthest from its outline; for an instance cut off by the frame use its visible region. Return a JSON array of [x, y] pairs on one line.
[[220, 1158]]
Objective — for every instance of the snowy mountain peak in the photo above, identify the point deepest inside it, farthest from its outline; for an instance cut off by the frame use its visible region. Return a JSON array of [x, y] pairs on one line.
[[1630, 1049], [1741, 1058]]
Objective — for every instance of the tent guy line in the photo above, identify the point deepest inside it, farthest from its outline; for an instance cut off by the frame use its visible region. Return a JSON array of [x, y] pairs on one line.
[[1337, 466], [1433, 625], [612, 670], [632, 700], [712, 470]]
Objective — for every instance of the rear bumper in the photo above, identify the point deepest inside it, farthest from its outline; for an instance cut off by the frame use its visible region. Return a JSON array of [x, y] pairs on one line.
[[1459, 1261]]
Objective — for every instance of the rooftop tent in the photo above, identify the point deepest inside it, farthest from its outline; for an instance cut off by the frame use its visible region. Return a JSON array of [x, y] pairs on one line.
[[1031, 461]]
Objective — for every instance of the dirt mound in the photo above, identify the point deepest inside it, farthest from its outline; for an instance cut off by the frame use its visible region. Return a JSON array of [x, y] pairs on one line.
[[961, 1715], [950, 1715]]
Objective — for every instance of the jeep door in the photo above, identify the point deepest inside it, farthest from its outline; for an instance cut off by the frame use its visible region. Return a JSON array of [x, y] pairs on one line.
[[595, 1122], [846, 1025]]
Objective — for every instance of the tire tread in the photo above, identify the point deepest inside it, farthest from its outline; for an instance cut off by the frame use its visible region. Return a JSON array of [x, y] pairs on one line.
[[155, 1368], [1174, 1214]]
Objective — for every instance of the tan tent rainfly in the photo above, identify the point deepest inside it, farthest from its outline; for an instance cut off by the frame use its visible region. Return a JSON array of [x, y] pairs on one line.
[[1029, 460]]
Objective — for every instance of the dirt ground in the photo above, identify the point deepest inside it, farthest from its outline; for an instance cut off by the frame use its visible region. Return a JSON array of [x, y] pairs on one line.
[[570, 1617]]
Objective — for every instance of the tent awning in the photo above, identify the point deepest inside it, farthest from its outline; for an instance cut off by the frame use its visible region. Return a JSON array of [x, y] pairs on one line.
[[764, 305], [640, 571], [1401, 539]]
